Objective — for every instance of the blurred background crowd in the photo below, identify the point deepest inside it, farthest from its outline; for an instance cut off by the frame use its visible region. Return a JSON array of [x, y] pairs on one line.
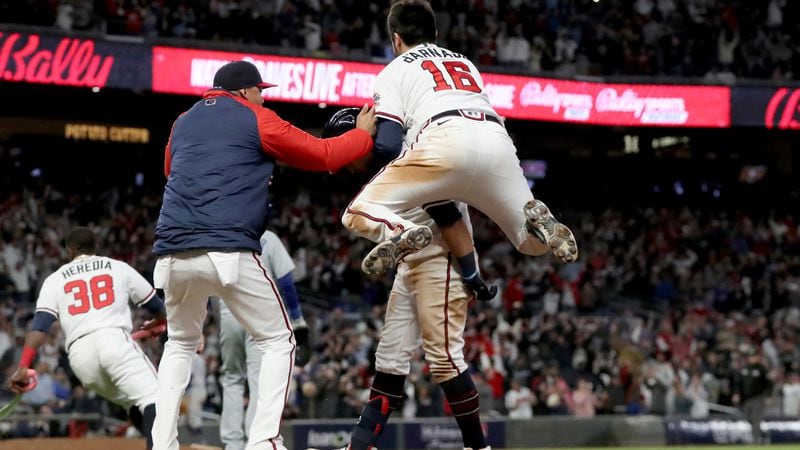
[[668, 305], [660, 314], [711, 39]]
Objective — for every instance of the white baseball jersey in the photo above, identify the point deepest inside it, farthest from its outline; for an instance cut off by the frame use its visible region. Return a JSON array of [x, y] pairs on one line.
[[91, 293], [425, 81]]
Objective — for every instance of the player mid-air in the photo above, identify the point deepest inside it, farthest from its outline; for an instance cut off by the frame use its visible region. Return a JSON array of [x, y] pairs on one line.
[[89, 297], [432, 105], [427, 309]]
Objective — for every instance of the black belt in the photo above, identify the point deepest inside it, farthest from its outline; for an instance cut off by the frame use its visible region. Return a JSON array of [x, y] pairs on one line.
[[472, 115]]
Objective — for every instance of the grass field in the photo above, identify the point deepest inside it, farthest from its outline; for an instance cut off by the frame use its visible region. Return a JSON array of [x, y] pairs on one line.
[[682, 447]]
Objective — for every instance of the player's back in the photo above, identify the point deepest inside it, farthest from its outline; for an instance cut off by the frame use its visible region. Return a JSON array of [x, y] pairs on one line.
[[425, 81], [91, 293]]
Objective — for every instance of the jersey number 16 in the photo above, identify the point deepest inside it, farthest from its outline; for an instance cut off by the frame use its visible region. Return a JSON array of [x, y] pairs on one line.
[[100, 289], [459, 73]]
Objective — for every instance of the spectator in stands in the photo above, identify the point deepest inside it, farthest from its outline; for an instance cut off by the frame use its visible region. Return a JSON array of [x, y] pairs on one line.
[[519, 401], [584, 399], [791, 395]]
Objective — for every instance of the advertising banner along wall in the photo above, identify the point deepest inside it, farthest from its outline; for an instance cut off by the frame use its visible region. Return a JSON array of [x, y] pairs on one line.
[[191, 71], [724, 431], [73, 61], [769, 107]]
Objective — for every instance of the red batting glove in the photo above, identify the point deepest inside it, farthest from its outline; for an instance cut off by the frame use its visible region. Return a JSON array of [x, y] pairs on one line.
[[24, 380], [151, 328]]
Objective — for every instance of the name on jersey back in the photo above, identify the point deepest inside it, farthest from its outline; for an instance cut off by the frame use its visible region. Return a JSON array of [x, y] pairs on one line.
[[88, 266], [423, 53]]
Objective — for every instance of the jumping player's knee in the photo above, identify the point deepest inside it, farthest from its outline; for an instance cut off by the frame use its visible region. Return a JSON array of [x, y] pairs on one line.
[[349, 220]]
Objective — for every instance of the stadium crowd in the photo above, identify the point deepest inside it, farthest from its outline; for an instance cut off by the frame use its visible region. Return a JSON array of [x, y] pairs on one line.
[[658, 316], [716, 40]]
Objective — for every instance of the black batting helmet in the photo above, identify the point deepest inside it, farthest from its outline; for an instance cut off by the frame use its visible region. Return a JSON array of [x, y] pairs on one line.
[[340, 122]]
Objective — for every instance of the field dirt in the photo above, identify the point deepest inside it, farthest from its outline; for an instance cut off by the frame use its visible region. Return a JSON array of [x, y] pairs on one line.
[[84, 444]]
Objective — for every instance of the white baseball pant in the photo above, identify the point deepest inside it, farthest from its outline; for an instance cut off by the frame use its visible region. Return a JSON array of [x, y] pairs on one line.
[[454, 158], [188, 279], [241, 362], [112, 364], [428, 307]]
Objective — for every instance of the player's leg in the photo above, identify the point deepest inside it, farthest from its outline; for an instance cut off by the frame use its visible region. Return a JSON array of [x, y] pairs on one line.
[[399, 339], [133, 375], [232, 352], [255, 302], [500, 190], [442, 304], [187, 279], [428, 172]]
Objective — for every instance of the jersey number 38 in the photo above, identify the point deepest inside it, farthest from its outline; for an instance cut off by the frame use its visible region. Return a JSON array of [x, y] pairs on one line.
[[100, 289], [459, 73]]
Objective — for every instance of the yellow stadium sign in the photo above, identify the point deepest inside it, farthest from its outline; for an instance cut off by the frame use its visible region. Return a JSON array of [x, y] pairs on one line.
[[106, 133]]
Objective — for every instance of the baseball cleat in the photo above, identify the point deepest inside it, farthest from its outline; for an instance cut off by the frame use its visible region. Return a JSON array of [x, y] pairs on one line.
[[554, 234], [385, 255]]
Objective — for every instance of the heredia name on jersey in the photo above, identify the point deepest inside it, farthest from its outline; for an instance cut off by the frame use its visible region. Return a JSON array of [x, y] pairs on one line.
[[88, 266], [429, 52]]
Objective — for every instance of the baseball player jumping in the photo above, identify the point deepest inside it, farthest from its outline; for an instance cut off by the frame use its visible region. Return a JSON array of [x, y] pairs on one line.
[[431, 102], [427, 308], [89, 297]]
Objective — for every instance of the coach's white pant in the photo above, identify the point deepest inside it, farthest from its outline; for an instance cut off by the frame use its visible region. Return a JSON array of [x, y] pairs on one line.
[[188, 279], [455, 158]]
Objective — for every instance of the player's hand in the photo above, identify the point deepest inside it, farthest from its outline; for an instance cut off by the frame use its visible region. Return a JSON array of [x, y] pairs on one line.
[[366, 120], [483, 292], [151, 328], [23, 380]]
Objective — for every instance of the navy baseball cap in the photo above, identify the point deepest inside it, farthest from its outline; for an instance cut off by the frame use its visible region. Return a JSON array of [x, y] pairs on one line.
[[239, 75]]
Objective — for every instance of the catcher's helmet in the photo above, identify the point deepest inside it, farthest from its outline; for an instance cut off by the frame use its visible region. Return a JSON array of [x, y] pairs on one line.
[[340, 122]]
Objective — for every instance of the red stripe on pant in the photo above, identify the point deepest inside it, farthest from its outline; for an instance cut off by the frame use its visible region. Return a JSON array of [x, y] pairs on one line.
[[446, 318], [291, 354]]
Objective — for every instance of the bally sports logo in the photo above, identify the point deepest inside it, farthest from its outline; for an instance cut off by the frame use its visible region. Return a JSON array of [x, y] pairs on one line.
[[579, 106], [69, 62], [783, 110]]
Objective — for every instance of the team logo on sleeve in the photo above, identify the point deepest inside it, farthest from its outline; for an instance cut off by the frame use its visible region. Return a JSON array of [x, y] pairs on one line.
[[376, 98]]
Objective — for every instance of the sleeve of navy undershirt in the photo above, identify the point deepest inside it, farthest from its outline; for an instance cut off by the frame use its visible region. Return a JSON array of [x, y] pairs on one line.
[[154, 306], [388, 141], [42, 321]]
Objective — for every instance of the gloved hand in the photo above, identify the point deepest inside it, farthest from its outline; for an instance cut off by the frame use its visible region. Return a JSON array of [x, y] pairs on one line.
[[483, 292]]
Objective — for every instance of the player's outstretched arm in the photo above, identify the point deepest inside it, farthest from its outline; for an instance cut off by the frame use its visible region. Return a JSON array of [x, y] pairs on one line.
[[299, 149], [156, 325], [457, 236], [21, 380]]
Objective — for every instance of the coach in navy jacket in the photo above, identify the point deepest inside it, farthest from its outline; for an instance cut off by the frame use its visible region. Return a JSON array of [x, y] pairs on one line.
[[218, 162], [219, 158]]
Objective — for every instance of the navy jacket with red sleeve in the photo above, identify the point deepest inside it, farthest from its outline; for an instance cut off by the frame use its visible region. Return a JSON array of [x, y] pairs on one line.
[[218, 161]]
